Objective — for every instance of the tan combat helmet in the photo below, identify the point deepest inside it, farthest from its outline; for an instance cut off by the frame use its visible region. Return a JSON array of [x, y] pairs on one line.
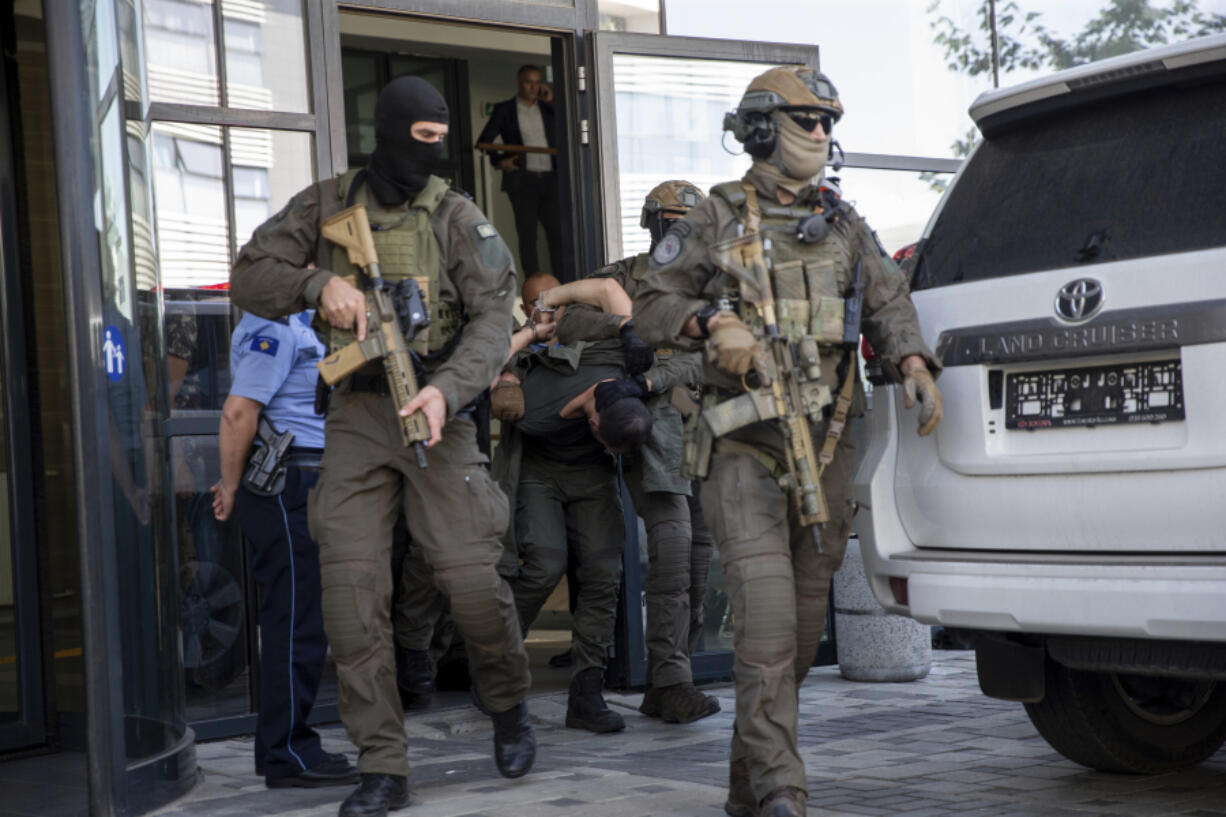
[[673, 196], [666, 203], [786, 87], [792, 86]]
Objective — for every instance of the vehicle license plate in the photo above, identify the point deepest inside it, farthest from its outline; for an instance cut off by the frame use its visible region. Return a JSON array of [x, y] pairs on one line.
[[1149, 392]]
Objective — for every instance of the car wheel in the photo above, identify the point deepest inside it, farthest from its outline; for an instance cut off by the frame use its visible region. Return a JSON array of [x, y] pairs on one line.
[[1140, 724], [211, 621]]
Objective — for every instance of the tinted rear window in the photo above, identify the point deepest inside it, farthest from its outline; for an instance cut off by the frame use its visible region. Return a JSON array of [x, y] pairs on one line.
[[1116, 179]]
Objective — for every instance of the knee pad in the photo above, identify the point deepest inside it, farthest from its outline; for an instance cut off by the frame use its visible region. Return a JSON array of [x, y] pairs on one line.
[[351, 611], [763, 594]]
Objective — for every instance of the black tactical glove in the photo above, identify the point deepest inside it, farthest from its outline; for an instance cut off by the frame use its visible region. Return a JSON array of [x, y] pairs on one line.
[[639, 356], [610, 391]]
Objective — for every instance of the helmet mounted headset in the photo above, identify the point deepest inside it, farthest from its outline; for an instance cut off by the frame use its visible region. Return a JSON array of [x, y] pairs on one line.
[[792, 89]]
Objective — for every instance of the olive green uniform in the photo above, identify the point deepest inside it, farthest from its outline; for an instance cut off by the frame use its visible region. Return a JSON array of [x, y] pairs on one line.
[[567, 497], [776, 581], [420, 608], [676, 571], [454, 509]]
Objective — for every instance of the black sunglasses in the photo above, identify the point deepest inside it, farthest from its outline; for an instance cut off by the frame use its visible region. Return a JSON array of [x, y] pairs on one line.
[[809, 119]]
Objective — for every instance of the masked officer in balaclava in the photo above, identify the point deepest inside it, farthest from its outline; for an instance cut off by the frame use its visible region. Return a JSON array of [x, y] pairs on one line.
[[679, 545], [820, 257], [455, 512]]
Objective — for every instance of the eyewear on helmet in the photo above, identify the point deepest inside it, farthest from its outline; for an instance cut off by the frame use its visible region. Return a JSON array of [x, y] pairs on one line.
[[687, 197], [808, 119]]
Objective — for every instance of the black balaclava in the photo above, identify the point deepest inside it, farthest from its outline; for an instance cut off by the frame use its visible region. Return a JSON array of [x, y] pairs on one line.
[[400, 164]]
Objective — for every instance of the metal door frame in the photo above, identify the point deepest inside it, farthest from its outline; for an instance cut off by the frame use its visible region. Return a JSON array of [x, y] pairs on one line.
[[604, 44], [30, 727]]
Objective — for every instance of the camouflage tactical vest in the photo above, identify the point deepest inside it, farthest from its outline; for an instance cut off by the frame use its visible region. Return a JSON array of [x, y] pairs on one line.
[[808, 280], [407, 247]]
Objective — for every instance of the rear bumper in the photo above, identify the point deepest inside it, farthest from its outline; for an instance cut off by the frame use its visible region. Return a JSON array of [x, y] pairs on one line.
[[1178, 595], [1135, 600]]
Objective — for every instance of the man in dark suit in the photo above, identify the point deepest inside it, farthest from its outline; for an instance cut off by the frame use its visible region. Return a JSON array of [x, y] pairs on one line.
[[529, 179]]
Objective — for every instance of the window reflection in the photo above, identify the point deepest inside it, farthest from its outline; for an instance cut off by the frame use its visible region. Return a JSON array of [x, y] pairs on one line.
[[180, 54], [212, 612], [191, 205], [266, 56], [670, 114], [198, 326], [268, 168], [106, 53], [148, 630]]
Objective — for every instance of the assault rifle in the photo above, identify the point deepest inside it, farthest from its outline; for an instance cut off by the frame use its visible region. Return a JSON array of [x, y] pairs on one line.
[[782, 368], [385, 331]]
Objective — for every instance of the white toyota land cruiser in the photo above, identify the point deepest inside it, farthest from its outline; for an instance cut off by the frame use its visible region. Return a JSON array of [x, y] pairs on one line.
[[1069, 514]]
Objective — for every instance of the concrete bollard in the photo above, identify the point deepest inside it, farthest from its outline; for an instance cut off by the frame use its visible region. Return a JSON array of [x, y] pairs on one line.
[[874, 645]]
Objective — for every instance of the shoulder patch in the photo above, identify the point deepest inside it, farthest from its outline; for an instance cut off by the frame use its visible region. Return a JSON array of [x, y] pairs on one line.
[[669, 247], [265, 345], [489, 245]]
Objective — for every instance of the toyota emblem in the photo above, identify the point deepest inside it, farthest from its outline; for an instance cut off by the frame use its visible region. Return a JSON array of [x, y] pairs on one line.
[[1079, 300]]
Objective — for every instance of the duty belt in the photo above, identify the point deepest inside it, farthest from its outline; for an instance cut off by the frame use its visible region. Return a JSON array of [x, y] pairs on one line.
[[301, 457]]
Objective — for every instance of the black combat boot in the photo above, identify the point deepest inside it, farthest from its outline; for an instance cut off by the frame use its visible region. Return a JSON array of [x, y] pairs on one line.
[[376, 795], [651, 703], [514, 741], [788, 801], [414, 678], [586, 709], [683, 703]]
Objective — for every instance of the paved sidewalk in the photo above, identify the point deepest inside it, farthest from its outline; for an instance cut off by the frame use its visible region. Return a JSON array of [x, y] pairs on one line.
[[927, 748]]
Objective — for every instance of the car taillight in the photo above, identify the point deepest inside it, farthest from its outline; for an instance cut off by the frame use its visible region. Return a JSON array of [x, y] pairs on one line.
[[898, 586]]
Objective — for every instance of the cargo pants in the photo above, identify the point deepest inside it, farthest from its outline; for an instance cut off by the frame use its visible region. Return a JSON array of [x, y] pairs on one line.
[[420, 607], [667, 585], [702, 548], [456, 513], [778, 586], [571, 508]]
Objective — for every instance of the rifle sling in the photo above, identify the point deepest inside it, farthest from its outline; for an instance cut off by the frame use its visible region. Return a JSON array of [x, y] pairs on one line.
[[838, 420]]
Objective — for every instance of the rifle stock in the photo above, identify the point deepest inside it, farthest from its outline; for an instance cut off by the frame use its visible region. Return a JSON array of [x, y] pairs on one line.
[[350, 228]]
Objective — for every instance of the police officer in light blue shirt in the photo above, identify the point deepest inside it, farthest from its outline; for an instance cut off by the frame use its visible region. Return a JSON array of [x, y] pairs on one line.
[[272, 366]]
